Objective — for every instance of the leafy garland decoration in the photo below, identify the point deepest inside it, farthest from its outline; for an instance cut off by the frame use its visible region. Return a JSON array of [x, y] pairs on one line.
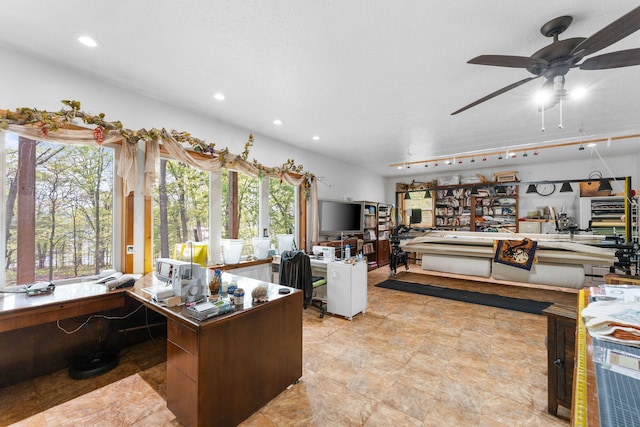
[[48, 122]]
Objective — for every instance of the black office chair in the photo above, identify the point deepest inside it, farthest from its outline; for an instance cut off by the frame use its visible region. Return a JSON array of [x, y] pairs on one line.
[[295, 272]]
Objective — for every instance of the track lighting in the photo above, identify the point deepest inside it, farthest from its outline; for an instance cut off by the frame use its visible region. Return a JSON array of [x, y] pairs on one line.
[[604, 185], [566, 187], [531, 189], [407, 196], [427, 194]]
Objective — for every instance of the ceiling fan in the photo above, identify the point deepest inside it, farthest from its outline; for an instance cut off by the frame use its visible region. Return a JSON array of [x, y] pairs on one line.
[[555, 60]]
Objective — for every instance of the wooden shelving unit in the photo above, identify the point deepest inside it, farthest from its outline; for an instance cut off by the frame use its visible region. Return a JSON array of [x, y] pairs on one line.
[[384, 232], [453, 208], [493, 211], [370, 248]]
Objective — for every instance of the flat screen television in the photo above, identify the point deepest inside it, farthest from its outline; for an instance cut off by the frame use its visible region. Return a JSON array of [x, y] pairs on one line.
[[337, 217]]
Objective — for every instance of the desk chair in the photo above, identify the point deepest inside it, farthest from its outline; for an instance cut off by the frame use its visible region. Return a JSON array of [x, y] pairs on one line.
[[295, 272]]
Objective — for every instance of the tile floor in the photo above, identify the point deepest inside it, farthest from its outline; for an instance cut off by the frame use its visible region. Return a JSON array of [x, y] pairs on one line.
[[411, 360]]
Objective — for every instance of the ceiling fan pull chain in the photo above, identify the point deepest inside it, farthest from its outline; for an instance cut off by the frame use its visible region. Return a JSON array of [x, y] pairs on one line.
[[560, 125], [542, 110]]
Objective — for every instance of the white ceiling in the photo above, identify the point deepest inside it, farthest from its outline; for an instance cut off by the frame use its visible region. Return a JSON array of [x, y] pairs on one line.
[[376, 80]]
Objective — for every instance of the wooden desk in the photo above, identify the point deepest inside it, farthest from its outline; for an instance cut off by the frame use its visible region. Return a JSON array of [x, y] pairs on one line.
[[621, 279], [76, 299], [561, 331], [31, 343], [222, 370]]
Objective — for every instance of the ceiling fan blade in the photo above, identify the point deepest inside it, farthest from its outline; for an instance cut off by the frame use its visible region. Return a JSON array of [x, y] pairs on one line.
[[622, 58], [494, 94], [508, 61], [616, 31]]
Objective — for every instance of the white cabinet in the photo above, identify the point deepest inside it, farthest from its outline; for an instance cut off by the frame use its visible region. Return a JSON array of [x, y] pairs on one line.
[[346, 288]]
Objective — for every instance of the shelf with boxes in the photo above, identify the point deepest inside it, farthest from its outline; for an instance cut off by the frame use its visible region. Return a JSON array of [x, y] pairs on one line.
[[453, 208], [495, 208], [377, 227], [606, 214], [483, 206], [370, 237]]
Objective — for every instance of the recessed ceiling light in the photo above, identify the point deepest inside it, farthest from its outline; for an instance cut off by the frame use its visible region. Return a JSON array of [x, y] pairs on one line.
[[219, 96], [277, 122], [316, 138], [87, 40]]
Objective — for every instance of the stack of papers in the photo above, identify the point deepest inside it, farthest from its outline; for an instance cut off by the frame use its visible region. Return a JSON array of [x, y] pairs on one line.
[[614, 314]]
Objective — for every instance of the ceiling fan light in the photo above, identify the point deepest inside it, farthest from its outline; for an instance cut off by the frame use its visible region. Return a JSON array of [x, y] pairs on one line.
[[543, 96], [566, 188], [579, 93]]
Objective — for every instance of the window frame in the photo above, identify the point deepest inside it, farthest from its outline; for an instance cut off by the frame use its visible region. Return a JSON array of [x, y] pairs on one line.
[[116, 191], [215, 214]]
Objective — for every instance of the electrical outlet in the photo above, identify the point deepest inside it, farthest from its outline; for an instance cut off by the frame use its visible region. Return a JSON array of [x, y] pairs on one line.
[[129, 249]]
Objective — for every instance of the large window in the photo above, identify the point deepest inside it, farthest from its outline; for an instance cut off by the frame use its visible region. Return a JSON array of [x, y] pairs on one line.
[[58, 210], [282, 208], [248, 211], [181, 210], [180, 213]]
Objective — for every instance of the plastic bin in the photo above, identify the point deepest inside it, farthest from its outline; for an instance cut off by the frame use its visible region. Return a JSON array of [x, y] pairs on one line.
[[285, 242], [261, 247], [232, 250]]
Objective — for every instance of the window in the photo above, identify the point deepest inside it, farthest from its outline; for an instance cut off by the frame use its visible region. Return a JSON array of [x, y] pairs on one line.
[[180, 213], [58, 207], [181, 210], [282, 209], [248, 211], [246, 203]]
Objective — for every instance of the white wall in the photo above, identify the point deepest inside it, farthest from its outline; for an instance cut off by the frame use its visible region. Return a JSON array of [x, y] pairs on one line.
[[29, 82], [621, 166]]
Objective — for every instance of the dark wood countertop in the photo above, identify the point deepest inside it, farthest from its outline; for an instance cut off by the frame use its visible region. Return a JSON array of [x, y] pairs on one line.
[[180, 314], [18, 310]]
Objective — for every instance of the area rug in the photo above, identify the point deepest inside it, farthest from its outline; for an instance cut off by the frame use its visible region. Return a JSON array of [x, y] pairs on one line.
[[128, 402], [492, 300]]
